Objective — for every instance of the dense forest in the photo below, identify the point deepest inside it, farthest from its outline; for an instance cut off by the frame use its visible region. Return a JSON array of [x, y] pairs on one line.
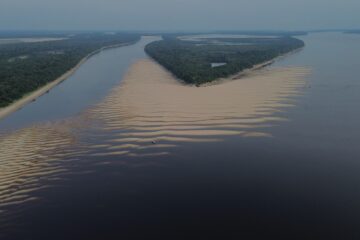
[[24, 67], [192, 61], [264, 33]]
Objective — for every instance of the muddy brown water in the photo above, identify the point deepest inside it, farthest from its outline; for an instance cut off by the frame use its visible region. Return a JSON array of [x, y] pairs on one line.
[[134, 154]]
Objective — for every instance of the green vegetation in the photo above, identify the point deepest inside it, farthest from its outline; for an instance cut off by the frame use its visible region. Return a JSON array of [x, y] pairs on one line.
[[266, 33], [25, 67], [192, 60]]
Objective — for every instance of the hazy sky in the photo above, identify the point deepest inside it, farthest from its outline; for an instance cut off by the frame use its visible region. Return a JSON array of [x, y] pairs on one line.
[[178, 14]]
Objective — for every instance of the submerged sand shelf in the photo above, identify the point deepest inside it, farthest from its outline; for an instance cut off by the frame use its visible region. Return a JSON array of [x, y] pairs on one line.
[[147, 115], [32, 96], [151, 106], [29, 156], [151, 96]]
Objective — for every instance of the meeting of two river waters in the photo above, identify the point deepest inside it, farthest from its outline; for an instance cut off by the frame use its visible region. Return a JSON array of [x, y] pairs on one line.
[[131, 148], [179, 120]]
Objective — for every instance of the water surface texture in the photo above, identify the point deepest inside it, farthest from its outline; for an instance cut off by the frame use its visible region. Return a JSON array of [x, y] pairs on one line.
[[140, 156]]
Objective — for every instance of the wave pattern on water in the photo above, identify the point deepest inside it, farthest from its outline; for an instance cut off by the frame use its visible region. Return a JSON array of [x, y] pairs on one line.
[[151, 111], [31, 159], [149, 114]]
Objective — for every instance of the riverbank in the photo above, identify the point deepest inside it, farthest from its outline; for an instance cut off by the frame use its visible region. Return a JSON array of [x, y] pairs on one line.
[[30, 97], [248, 71], [193, 63]]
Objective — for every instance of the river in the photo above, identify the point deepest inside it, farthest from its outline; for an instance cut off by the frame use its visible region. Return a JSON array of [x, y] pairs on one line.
[[120, 150]]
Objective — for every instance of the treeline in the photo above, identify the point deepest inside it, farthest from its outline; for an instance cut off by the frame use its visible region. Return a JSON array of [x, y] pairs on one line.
[[265, 33], [24, 67], [191, 60]]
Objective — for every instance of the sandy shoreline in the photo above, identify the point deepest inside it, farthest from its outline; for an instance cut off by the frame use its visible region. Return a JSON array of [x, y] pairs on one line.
[[28, 98]]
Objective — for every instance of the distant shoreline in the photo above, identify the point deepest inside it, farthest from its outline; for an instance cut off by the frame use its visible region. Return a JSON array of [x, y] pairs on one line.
[[32, 96], [193, 63], [246, 71]]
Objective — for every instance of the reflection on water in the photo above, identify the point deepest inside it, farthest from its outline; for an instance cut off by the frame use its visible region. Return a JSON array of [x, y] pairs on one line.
[[152, 110]]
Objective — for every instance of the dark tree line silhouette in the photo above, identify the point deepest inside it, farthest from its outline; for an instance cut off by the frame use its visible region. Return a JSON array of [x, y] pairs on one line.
[[24, 67], [191, 60]]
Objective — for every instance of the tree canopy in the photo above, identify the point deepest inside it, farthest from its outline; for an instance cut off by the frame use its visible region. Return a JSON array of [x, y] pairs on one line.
[[24, 67], [192, 60]]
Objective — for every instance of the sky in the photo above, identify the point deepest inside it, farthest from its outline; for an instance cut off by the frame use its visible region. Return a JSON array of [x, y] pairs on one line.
[[175, 15]]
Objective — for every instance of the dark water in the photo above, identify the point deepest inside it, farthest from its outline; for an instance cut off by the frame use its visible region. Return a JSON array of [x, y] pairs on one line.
[[301, 183], [87, 86]]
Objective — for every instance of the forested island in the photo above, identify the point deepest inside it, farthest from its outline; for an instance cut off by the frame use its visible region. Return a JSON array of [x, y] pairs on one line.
[[27, 66], [202, 60]]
